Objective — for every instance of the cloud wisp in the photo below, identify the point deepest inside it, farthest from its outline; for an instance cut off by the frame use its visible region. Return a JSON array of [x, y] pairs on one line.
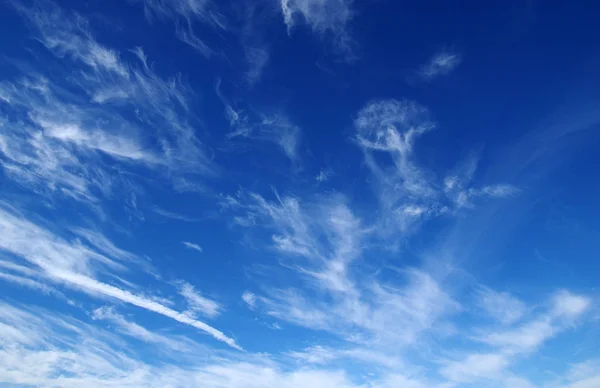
[[331, 238], [191, 245], [409, 193], [62, 128], [442, 63], [75, 265], [328, 19], [248, 124]]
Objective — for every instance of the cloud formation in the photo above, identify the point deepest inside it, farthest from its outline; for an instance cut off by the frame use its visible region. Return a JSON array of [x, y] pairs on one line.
[[193, 246], [337, 233], [326, 18], [442, 63]]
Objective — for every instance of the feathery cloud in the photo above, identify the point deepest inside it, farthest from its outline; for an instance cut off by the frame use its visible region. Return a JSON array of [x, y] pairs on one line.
[[249, 298], [184, 14], [198, 303], [440, 64], [74, 265], [192, 246], [249, 124], [326, 18]]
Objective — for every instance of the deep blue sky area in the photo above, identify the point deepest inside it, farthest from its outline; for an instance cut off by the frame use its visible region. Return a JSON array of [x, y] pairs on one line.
[[299, 193]]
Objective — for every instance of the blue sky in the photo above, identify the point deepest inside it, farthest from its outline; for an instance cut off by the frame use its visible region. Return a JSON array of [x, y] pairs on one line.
[[299, 193]]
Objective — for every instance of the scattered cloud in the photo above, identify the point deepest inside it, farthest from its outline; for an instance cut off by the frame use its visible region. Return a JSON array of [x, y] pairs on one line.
[[193, 246], [475, 367], [249, 298], [93, 138], [442, 63], [409, 193], [43, 348], [322, 177], [74, 265], [376, 311], [252, 125], [568, 305], [198, 303], [132, 329], [501, 306], [60, 119], [257, 59], [172, 215], [326, 18], [184, 15], [510, 343]]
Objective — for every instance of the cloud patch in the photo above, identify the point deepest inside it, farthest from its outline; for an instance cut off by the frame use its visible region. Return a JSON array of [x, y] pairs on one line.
[[442, 63]]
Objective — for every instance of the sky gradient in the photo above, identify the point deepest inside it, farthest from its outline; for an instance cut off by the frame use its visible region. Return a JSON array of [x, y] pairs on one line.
[[299, 193]]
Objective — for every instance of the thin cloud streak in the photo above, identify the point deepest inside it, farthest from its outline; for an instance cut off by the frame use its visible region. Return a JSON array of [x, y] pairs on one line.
[[192, 246], [72, 264]]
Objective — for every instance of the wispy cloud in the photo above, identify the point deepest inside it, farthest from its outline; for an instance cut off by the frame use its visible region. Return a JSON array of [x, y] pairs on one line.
[[257, 59], [184, 14], [409, 193], [74, 265], [172, 215], [501, 305], [250, 124], [44, 348], [106, 78], [198, 303], [442, 63], [322, 177], [375, 308], [64, 132], [192, 246], [510, 343], [132, 329], [326, 18], [476, 367], [342, 282], [249, 298]]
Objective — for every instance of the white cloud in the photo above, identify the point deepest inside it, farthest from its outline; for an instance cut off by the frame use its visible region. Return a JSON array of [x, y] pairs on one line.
[[440, 64], [530, 335], [184, 14], [324, 239], [525, 338], [249, 298], [409, 193], [568, 305], [392, 126], [327, 356], [249, 124], [511, 343], [94, 287], [581, 375], [198, 303], [159, 106], [74, 265], [45, 348], [501, 305], [475, 367], [192, 246], [97, 140], [30, 283], [173, 215], [371, 310], [134, 330], [324, 17]]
